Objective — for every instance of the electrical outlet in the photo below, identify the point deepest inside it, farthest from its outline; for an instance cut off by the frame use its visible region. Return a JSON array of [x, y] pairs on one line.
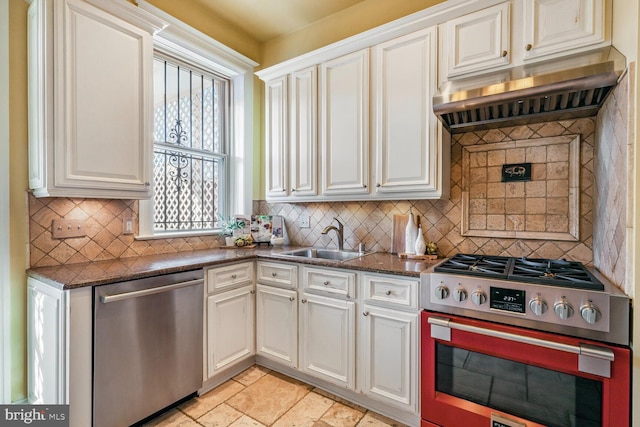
[[127, 225], [303, 221]]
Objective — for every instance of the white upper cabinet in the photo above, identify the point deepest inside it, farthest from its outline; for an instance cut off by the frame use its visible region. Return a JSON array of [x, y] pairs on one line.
[[409, 155], [344, 124], [557, 26], [516, 32], [277, 136], [90, 99], [304, 135], [478, 41]]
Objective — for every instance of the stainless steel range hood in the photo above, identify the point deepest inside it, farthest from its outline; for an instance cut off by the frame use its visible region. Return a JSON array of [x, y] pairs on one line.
[[560, 89]]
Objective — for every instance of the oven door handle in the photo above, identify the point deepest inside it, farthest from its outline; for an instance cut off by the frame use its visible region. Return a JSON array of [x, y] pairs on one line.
[[591, 359]]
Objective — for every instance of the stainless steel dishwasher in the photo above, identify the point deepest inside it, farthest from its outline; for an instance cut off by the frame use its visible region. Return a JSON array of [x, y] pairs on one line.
[[147, 346]]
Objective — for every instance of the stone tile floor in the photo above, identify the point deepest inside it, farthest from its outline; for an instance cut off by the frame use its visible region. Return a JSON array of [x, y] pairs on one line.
[[260, 397]]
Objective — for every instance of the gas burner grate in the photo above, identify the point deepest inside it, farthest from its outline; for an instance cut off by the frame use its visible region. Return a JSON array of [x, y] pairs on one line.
[[476, 265], [554, 272], [570, 274]]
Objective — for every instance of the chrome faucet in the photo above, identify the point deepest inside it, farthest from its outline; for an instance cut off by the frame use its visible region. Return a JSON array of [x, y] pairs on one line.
[[339, 230]]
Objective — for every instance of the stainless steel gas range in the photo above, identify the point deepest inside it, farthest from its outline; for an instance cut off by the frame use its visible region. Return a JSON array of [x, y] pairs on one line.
[[501, 334]]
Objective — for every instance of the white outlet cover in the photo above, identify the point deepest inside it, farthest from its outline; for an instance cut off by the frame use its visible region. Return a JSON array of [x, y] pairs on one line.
[[303, 221]]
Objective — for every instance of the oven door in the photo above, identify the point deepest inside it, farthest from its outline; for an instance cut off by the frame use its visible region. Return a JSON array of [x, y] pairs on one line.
[[482, 374]]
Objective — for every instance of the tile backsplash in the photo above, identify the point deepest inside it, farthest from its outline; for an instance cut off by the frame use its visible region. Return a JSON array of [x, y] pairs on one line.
[[103, 224], [371, 222], [614, 157]]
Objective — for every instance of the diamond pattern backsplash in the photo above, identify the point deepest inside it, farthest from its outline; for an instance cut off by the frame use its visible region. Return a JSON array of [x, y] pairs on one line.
[[613, 162], [103, 224], [371, 222]]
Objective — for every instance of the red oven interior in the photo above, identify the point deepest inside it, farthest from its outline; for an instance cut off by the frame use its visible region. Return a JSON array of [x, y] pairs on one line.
[[444, 410]]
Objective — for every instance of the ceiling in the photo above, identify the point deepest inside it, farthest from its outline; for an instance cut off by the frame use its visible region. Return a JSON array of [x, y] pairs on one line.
[[269, 19]]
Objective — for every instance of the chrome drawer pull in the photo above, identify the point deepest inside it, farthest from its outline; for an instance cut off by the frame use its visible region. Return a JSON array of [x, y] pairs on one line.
[[388, 293], [326, 283], [274, 274], [233, 276], [291, 299]]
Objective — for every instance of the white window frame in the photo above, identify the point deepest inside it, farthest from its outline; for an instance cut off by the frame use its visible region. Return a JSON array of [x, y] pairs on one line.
[[5, 284], [190, 45]]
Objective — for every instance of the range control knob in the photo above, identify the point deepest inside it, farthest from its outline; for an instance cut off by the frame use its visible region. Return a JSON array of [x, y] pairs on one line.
[[459, 294], [441, 292], [563, 309], [538, 306], [590, 313], [478, 297]]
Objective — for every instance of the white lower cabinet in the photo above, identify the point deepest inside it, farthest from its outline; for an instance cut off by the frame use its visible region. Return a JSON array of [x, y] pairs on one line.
[[388, 352], [327, 339], [229, 320], [60, 356], [277, 324], [230, 328]]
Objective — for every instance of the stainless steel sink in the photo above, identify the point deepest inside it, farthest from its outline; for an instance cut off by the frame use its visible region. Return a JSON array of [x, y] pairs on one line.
[[328, 254]]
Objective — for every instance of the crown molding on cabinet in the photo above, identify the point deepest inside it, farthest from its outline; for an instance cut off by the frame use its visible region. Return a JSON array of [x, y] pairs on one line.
[[425, 18]]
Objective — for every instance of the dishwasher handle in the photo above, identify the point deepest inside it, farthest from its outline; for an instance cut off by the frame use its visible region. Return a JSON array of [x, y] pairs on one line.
[[105, 299]]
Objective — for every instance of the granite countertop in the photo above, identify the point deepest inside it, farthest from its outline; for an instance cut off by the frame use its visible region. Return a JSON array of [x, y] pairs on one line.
[[104, 272]]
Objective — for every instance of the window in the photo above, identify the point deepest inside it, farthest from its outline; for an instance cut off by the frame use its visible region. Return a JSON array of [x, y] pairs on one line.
[[190, 144], [202, 132]]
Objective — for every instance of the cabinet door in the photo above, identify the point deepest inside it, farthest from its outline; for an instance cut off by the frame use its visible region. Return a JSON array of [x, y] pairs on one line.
[[303, 136], [389, 341], [477, 41], [405, 129], [230, 328], [555, 26], [327, 339], [276, 137], [47, 314], [344, 124], [102, 104], [277, 324]]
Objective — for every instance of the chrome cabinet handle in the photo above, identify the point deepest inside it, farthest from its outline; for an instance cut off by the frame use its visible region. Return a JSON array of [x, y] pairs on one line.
[[529, 46], [233, 276], [304, 301], [378, 185], [291, 299], [388, 293], [293, 189], [252, 291], [274, 274], [504, 53], [365, 313], [326, 283]]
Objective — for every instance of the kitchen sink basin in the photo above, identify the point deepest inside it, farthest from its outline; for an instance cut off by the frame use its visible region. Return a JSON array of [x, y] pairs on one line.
[[327, 254]]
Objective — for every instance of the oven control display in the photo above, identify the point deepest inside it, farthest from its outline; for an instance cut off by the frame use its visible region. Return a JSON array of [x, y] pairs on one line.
[[507, 300]]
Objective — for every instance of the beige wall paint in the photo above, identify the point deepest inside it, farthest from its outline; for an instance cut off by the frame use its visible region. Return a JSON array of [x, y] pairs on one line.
[[201, 19], [18, 185], [356, 19], [625, 28]]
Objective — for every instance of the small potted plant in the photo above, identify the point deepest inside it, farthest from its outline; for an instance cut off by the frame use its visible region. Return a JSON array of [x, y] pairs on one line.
[[231, 228]]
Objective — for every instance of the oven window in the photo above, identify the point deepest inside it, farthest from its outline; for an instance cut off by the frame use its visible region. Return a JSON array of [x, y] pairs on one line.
[[535, 394]]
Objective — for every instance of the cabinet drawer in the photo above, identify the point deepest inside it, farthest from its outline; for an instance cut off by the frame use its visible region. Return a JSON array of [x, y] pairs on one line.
[[278, 274], [391, 290], [230, 276], [333, 282]]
